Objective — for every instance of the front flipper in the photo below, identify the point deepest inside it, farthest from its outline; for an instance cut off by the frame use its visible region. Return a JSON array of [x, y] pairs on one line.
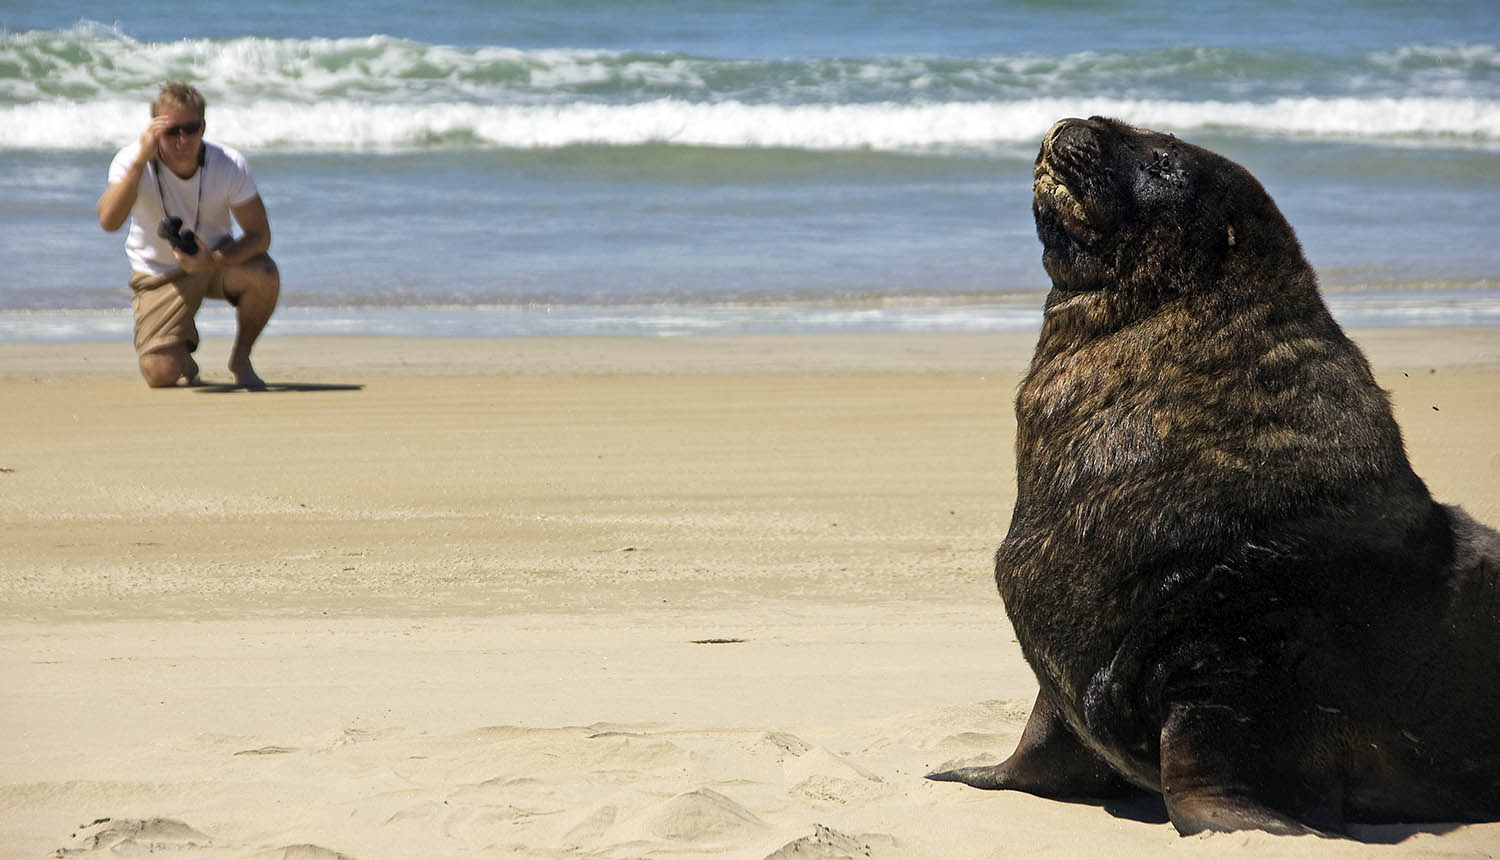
[[1219, 774], [1049, 761]]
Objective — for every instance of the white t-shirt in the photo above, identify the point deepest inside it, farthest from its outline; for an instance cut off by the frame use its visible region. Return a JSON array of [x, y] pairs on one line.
[[202, 201]]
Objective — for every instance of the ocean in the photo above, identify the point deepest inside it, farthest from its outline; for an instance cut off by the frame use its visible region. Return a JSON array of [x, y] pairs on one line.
[[659, 167]]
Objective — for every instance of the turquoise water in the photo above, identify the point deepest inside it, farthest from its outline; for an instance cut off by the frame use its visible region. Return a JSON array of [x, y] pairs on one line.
[[480, 168]]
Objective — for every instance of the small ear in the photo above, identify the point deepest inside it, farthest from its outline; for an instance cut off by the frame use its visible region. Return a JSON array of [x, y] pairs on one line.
[[1231, 235]]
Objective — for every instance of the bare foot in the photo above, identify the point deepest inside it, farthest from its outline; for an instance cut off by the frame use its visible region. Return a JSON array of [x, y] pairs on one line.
[[246, 377], [189, 375]]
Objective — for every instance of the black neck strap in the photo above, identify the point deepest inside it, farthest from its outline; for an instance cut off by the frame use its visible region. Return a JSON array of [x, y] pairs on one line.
[[162, 165]]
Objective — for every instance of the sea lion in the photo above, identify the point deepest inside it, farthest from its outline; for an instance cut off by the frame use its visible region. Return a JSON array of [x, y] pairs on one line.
[[1233, 589]]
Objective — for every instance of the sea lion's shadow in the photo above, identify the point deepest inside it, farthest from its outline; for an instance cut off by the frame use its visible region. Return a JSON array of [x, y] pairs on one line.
[[276, 387], [1139, 806], [1149, 809], [1395, 834]]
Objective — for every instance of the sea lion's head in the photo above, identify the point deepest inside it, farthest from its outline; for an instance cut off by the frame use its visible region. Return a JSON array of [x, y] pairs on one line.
[[1143, 216]]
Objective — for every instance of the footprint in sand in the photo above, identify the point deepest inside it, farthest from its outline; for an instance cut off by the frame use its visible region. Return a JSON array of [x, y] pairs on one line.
[[826, 843], [130, 836], [591, 829], [273, 750], [631, 753], [301, 852], [696, 816], [135, 837], [823, 777]]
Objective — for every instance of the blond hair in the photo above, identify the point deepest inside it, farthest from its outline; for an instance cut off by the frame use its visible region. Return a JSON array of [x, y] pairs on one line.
[[178, 95]]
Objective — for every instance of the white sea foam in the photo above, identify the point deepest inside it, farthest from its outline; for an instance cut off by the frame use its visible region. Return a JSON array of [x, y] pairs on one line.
[[94, 61], [86, 88], [356, 126], [1459, 56]]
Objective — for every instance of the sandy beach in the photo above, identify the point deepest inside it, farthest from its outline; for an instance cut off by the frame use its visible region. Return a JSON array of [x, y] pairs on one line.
[[605, 598]]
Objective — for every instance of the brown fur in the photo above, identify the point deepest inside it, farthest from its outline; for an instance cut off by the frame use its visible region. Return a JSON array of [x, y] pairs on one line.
[[1231, 585]]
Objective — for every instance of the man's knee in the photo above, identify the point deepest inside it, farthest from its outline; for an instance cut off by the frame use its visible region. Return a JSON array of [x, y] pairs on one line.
[[164, 368], [156, 377], [257, 276], [263, 269]]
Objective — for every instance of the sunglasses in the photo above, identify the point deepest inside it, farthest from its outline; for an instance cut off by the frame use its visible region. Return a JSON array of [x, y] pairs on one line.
[[187, 128]]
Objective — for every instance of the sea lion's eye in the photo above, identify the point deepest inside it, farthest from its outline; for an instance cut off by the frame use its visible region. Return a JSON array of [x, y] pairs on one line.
[[1161, 166]]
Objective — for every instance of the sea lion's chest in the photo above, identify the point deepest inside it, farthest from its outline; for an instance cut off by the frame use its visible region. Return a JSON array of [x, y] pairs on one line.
[[1106, 454]]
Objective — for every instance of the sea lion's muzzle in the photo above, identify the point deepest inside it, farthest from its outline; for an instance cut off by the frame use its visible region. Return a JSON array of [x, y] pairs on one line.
[[1070, 151], [1071, 131]]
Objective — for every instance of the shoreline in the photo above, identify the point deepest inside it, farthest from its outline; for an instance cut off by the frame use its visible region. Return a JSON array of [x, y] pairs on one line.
[[288, 358], [1460, 303]]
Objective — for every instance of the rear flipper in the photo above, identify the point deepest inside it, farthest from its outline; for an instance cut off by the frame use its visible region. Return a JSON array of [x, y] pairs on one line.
[[1049, 761], [1220, 774]]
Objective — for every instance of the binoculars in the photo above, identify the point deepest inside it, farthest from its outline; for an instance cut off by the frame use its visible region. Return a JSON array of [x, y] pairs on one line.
[[183, 240]]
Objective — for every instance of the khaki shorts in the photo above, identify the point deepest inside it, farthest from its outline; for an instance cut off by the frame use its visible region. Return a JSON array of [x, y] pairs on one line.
[[164, 315]]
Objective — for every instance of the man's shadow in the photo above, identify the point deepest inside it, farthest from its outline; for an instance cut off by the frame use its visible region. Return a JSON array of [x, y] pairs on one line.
[[274, 387]]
